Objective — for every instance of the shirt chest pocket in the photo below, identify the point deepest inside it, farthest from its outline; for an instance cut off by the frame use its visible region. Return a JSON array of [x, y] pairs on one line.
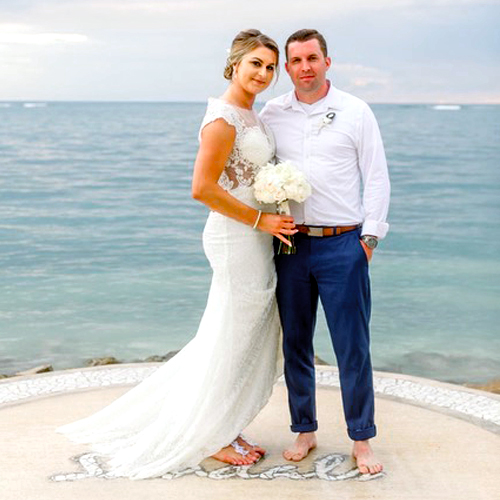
[[333, 143]]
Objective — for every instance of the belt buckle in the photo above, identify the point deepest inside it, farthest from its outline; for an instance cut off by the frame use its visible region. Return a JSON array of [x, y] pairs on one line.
[[315, 231]]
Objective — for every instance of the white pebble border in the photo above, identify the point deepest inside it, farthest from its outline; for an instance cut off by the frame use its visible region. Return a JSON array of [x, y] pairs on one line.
[[478, 407]]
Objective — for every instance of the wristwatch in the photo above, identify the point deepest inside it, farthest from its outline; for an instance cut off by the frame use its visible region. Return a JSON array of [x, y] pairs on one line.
[[370, 241]]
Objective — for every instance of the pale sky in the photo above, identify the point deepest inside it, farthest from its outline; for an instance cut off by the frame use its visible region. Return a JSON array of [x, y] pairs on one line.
[[403, 51]]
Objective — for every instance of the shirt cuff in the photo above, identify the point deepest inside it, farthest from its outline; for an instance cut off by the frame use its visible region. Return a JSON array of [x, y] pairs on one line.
[[375, 228]]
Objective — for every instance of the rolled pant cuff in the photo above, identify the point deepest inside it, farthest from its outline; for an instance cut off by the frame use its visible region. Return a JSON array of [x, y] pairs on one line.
[[312, 427], [362, 434]]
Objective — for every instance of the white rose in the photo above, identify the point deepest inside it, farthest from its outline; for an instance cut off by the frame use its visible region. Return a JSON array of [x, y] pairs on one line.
[[277, 183]]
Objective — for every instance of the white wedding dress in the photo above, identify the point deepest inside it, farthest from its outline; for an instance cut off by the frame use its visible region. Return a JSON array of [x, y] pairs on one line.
[[201, 399]]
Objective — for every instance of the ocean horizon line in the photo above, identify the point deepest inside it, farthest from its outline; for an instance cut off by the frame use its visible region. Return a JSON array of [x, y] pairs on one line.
[[146, 101]]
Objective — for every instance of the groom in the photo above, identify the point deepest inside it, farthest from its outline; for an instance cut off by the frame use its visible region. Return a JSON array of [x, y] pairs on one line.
[[334, 139]]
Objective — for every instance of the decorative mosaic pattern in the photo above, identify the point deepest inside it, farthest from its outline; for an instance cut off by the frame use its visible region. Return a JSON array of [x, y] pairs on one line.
[[13, 391], [333, 467], [461, 402], [481, 406]]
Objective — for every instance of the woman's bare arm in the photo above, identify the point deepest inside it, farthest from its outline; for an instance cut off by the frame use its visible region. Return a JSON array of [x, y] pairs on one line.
[[217, 140]]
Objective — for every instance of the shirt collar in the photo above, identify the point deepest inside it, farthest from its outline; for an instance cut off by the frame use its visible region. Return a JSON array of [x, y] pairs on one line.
[[333, 101]]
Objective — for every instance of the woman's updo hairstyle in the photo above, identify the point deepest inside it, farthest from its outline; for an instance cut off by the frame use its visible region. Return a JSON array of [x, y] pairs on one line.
[[245, 42]]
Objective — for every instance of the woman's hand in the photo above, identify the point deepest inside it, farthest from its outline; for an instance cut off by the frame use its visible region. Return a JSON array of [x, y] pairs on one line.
[[277, 225]]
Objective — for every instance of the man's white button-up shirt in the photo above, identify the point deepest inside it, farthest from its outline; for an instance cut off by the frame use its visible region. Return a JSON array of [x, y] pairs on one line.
[[343, 159]]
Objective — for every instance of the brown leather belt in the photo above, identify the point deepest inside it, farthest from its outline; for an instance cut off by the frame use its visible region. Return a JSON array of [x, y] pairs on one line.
[[325, 231]]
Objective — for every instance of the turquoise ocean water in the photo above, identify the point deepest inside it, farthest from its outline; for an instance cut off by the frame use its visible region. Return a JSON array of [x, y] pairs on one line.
[[100, 241]]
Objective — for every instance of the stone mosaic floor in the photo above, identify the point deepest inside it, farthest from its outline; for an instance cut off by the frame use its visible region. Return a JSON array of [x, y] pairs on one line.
[[482, 409]]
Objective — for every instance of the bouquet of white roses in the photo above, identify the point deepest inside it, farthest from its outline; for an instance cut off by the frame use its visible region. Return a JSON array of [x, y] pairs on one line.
[[278, 184]]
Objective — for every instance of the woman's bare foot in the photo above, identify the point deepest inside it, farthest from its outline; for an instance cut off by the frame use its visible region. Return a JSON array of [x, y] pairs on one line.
[[229, 455], [254, 450], [365, 458], [305, 442]]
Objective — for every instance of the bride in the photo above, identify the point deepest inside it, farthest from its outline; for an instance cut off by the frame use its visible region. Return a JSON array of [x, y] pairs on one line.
[[196, 404]]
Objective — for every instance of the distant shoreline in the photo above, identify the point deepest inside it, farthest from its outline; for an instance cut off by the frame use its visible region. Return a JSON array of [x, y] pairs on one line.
[[44, 101]]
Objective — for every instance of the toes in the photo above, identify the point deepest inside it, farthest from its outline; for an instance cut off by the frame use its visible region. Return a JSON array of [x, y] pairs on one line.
[[253, 450], [363, 469], [370, 469], [297, 456], [249, 459], [252, 457], [236, 459], [291, 456], [294, 455]]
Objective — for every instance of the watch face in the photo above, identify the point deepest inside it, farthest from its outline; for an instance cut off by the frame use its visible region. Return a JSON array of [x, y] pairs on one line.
[[370, 241]]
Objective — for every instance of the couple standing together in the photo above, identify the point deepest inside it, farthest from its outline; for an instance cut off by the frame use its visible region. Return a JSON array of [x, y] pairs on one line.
[[196, 404]]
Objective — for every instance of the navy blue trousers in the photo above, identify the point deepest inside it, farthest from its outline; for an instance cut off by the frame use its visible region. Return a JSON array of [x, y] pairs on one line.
[[335, 270]]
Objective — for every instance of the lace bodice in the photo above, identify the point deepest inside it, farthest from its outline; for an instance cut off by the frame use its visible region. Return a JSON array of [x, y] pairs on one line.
[[253, 145]]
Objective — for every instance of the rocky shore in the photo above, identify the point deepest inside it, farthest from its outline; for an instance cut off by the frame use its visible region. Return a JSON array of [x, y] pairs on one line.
[[492, 386], [106, 360]]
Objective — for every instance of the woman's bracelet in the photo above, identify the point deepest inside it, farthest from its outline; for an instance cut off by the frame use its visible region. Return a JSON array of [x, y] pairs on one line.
[[257, 219]]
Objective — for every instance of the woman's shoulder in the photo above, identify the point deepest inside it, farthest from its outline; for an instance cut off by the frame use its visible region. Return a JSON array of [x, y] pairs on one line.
[[218, 108]]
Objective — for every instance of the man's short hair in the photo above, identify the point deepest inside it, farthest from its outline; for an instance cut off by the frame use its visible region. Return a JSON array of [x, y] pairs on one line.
[[305, 35]]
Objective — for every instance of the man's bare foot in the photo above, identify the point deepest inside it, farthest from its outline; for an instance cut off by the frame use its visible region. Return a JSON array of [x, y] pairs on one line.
[[229, 455], [365, 458], [254, 450], [305, 442]]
